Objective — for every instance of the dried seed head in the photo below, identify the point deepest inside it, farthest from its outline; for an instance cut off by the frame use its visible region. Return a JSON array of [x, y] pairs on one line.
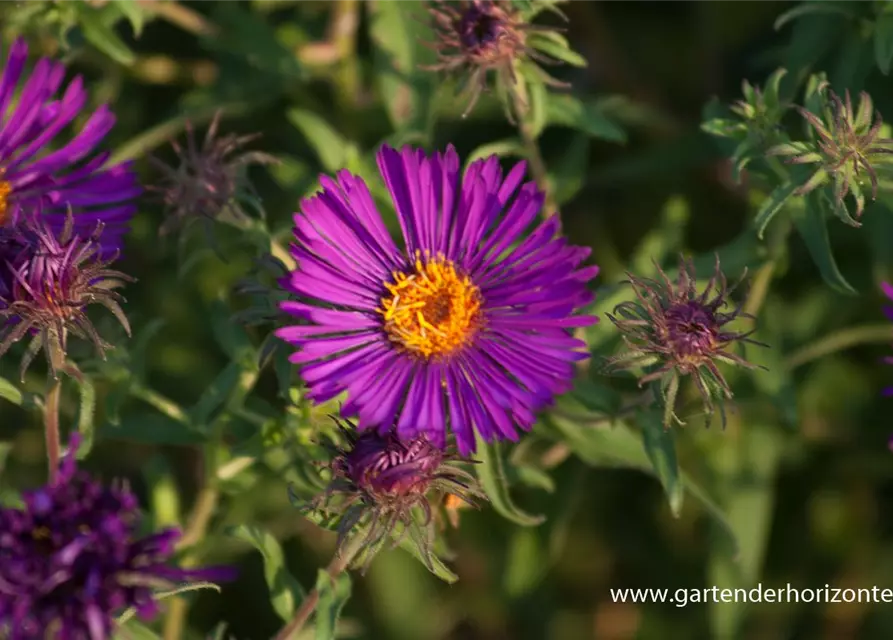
[[46, 285], [672, 331], [476, 37], [208, 180], [381, 486]]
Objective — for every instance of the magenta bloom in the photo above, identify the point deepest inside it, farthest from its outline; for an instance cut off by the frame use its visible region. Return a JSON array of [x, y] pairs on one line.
[[465, 327], [71, 560], [35, 177]]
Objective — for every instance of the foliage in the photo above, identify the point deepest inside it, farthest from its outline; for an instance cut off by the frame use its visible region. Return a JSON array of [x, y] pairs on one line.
[[638, 128]]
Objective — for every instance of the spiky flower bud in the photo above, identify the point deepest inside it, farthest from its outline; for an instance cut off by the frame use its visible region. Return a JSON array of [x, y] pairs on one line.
[[382, 487], [475, 37], [46, 285], [848, 147], [673, 331], [208, 181]]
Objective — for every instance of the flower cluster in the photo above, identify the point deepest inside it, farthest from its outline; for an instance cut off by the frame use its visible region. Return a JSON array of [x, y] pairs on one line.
[[673, 331], [385, 485], [71, 559]]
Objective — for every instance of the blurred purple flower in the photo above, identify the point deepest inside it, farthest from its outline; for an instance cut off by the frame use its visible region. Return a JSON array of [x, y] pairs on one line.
[[467, 327], [673, 331], [33, 177], [379, 482], [46, 284], [71, 560]]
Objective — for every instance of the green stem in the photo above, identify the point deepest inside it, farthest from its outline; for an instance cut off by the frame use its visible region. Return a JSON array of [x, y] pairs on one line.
[[838, 342], [537, 166], [165, 405], [51, 428], [206, 502], [340, 562]]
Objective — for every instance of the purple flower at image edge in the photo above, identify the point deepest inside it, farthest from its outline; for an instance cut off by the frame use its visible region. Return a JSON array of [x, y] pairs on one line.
[[71, 560], [73, 176], [467, 327]]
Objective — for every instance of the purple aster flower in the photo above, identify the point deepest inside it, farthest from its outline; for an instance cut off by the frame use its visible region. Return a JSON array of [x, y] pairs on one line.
[[379, 482], [466, 327], [35, 177], [673, 331], [482, 36], [888, 311], [46, 284], [71, 560]]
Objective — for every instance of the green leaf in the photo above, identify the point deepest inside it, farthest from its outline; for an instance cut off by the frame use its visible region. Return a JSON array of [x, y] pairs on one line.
[[811, 223], [333, 595], [773, 205], [134, 13], [438, 568], [152, 428], [133, 629], [620, 447], [285, 591], [568, 174], [102, 35], [8, 391], [493, 479], [597, 397], [216, 394], [556, 46], [660, 445], [510, 147], [567, 111], [231, 337], [806, 8], [330, 146], [86, 414], [883, 42], [398, 29]]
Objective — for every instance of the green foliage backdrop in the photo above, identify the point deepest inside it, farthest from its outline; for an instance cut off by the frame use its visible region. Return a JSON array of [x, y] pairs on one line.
[[649, 153]]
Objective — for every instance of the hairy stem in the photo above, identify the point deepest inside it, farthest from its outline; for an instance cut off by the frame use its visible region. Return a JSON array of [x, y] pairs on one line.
[[340, 562], [206, 502], [51, 428], [839, 341], [537, 167]]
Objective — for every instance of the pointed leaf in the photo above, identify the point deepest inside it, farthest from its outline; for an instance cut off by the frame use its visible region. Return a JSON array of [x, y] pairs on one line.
[[102, 35], [811, 223], [333, 595], [330, 146], [660, 445], [152, 428], [806, 8], [773, 205], [217, 393], [86, 413], [567, 111], [10, 392], [285, 591], [883, 42], [493, 479], [133, 629]]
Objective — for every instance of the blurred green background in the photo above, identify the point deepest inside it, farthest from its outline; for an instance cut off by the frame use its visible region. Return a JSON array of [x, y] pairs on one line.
[[808, 498]]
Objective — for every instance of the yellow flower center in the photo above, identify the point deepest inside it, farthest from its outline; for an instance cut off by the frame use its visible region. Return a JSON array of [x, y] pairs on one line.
[[5, 190], [434, 310]]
